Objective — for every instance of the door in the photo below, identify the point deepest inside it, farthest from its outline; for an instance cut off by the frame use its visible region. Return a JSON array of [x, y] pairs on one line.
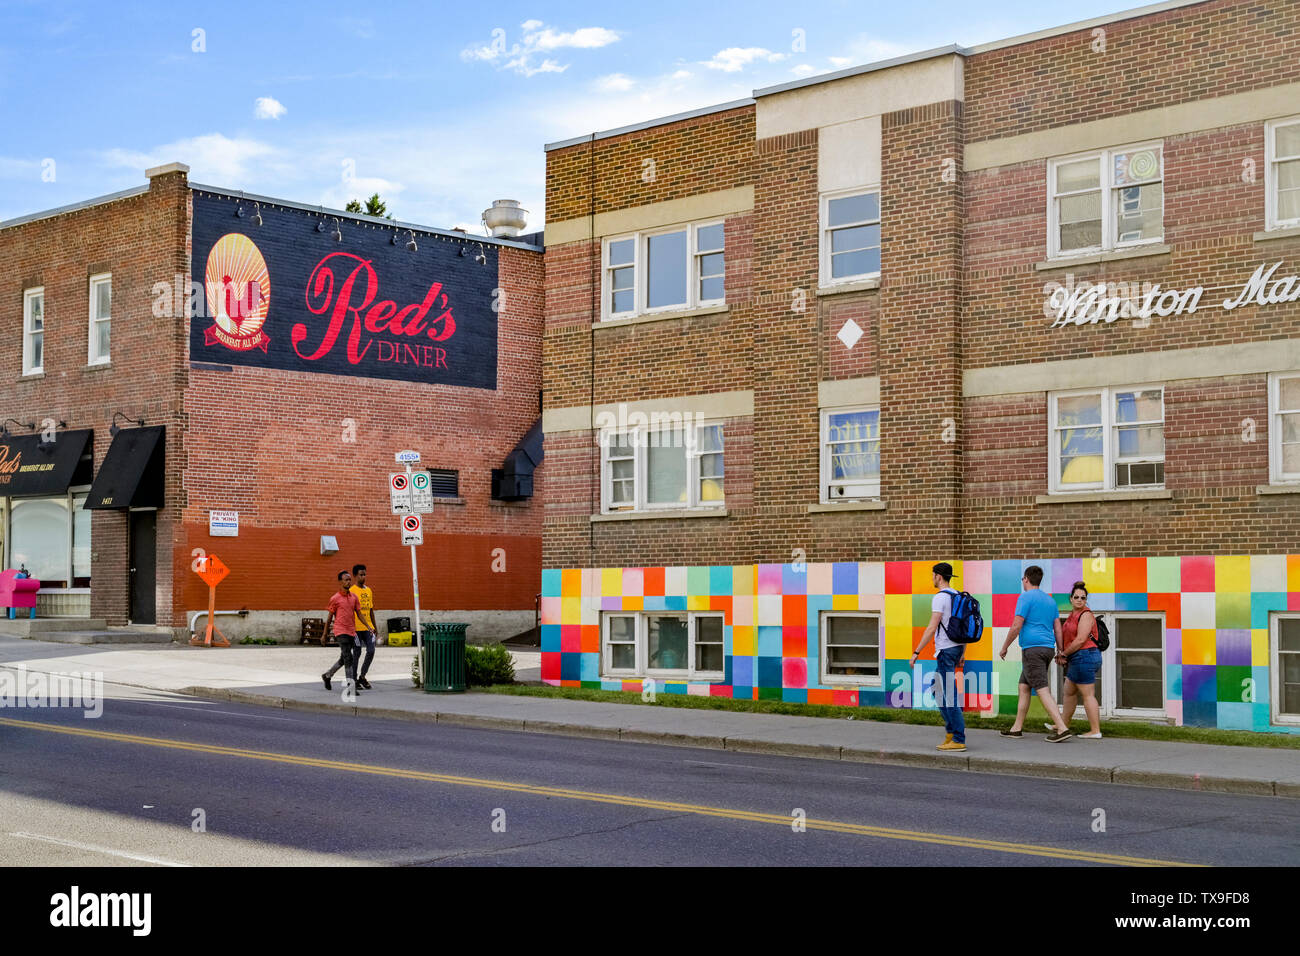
[[143, 566]]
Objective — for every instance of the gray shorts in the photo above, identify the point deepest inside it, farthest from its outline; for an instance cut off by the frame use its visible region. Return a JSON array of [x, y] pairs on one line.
[[1035, 662]]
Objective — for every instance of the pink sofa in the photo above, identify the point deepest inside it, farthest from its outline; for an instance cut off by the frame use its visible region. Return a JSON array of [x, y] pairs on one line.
[[16, 592]]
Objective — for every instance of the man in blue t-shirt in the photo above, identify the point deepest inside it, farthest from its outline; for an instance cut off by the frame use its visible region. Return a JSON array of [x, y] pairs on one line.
[[1038, 625]]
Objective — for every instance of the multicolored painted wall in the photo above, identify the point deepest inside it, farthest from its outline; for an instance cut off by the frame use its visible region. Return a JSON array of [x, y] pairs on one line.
[[1216, 626]]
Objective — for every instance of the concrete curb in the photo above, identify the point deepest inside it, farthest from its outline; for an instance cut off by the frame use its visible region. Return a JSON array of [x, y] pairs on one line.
[[1126, 776]]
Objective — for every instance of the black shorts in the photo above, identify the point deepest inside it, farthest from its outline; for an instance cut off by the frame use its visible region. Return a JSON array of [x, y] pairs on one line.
[[1035, 662]]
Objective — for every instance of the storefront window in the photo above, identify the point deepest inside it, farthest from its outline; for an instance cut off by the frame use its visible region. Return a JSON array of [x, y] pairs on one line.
[[80, 542], [39, 539]]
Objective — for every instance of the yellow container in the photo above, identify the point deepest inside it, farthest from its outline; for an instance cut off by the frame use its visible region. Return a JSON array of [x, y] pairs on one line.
[[400, 639]]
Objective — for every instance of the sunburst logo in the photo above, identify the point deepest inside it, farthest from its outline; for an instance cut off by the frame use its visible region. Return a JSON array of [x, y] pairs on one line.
[[238, 289]]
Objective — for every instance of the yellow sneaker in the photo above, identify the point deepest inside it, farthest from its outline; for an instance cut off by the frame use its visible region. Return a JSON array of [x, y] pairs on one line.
[[951, 746], [947, 739]]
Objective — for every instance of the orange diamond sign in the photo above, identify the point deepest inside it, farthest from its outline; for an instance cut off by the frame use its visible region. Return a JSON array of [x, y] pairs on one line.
[[214, 571]]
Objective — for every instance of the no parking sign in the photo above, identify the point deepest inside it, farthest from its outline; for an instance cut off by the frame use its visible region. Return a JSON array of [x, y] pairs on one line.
[[412, 530]]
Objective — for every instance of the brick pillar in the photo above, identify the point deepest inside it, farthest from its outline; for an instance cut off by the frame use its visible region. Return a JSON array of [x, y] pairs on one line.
[[920, 328], [786, 345]]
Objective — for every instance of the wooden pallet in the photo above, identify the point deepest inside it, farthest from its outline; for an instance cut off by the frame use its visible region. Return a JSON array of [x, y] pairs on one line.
[[313, 631]]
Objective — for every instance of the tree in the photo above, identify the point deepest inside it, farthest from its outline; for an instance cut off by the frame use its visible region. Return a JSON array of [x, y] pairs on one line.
[[374, 207]]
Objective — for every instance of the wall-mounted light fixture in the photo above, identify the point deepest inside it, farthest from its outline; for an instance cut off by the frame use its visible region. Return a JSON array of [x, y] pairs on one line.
[[257, 214], [481, 258], [4, 427], [410, 244], [338, 230], [114, 427]]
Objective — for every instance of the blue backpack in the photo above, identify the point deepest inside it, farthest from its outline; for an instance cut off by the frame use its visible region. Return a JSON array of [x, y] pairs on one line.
[[966, 623]]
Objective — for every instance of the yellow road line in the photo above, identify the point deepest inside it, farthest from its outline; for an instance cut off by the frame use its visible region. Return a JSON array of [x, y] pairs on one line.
[[750, 816]]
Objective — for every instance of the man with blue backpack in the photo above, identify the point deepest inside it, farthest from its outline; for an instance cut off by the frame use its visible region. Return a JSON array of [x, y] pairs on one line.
[[955, 621]]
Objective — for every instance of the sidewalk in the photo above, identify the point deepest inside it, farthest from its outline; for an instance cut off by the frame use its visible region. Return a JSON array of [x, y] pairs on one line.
[[289, 677]]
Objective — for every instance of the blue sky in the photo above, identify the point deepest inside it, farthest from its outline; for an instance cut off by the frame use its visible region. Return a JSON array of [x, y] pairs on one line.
[[440, 107]]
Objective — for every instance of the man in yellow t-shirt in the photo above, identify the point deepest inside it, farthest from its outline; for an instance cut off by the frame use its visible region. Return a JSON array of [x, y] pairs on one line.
[[367, 632]]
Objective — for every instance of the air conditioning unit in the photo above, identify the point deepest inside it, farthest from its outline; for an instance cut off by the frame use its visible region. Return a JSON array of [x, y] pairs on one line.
[[849, 490]]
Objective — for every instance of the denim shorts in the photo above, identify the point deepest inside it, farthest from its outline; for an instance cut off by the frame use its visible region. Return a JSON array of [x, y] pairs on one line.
[[1083, 666]]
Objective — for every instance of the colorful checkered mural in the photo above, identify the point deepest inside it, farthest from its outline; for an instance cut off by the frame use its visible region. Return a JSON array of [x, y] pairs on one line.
[[1216, 626]]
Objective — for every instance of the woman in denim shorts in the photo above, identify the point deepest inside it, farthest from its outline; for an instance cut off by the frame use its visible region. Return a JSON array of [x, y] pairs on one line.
[[1082, 660]]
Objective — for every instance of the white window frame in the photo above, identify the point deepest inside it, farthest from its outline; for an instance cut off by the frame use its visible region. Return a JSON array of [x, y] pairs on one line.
[[826, 678], [1275, 474], [1275, 671], [1110, 667], [641, 441], [1108, 427], [1109, 199], [642, 637], [869, 490], [640, 260], [824, 231], [28, 334], [1271, 220], [91, 357]]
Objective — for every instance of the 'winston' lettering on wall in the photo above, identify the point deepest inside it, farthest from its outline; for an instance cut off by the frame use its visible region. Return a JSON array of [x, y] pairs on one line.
[[1105, 302]]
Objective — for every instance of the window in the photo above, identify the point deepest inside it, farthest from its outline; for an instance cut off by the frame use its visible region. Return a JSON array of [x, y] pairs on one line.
[[850, 246], [51, 538], [1284, 427], [1282, 144], [1139, 681], [1106, 200], [850, 454], [663, 466], [101, 295], [664, 643], [1107, 439], [33, 331], [444, 483], [671, 269], [850, 650], [1285, 668]]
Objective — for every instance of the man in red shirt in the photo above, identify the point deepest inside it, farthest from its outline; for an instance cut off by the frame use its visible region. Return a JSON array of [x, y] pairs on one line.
[[343, 608]]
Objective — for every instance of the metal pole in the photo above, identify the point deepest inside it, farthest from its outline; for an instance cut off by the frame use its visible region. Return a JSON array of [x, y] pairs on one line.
[[415, 586]]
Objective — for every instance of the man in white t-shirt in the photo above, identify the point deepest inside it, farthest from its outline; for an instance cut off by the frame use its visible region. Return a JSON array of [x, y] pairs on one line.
[[947, 655]]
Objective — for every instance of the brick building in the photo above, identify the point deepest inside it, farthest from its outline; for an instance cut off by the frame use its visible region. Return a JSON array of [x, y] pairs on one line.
[[1032, 302], [241, 381]]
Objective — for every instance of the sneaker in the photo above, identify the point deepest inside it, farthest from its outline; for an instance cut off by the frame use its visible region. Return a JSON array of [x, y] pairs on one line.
[[1057, 738], [365, 684], [1096, 736], [948, 739], [326, 679], [1012, 733], [951, 746]]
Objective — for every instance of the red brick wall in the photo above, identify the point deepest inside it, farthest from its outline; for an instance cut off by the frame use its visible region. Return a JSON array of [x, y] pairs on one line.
[[284, 461], [1177, 56], [141, 240], [698, 155]]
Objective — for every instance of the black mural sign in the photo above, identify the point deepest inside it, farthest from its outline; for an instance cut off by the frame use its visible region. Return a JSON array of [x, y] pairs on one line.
[[286, 295]]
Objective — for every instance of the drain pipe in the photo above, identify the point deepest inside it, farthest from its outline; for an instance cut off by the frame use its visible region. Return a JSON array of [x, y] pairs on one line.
[[243, 612]]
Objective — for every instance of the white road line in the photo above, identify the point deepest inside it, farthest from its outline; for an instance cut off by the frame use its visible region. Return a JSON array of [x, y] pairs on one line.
[[97, 849], [232, 713]]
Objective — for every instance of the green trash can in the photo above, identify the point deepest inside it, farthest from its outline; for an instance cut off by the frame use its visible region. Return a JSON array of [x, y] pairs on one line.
[[444, 657]]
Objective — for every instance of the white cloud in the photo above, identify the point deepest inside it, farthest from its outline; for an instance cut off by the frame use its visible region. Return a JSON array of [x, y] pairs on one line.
[[681, 75], [841, 60], [587, 38], [804, 69], [735, 58], [537, 39], [614, 83], [212, 158], [268, 107]]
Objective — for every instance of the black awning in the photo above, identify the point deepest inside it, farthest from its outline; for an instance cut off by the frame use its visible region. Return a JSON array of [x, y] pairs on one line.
[[31, 466], [132, 473]]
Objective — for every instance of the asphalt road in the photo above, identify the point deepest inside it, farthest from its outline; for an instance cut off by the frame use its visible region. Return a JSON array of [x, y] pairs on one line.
[[284, 787]]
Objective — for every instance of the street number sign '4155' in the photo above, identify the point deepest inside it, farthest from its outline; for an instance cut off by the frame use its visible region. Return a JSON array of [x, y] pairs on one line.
[[412, 530]]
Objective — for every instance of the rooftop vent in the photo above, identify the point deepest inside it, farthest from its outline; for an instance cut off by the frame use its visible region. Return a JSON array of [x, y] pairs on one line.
[[505, 218]]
